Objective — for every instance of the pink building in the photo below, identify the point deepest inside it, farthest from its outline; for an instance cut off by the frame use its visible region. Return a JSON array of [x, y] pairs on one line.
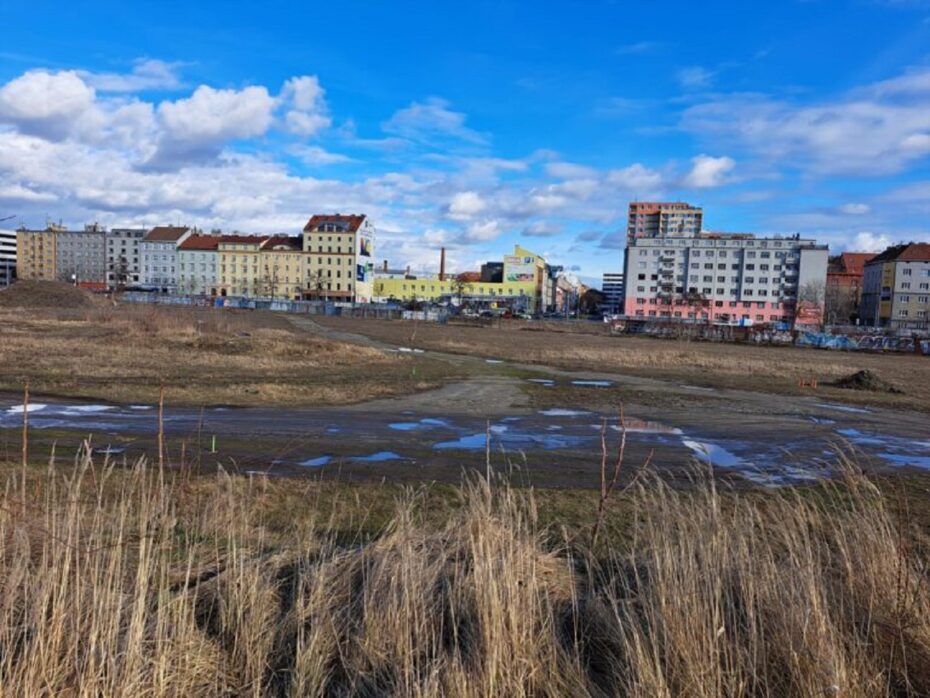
[[725, 278]]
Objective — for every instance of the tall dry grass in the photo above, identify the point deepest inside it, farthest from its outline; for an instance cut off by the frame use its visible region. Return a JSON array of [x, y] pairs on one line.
[[132, 581]]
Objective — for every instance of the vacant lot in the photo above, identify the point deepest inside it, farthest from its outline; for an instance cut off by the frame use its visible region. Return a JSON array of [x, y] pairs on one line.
[[71, 344], [587, 347]]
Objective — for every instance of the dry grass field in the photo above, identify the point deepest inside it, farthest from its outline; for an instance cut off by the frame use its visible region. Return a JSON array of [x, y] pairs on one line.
[[69, 343], [588, 347], [126, 580]]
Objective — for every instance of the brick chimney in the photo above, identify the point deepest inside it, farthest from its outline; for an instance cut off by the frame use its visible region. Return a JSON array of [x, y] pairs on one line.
[[442, 264]]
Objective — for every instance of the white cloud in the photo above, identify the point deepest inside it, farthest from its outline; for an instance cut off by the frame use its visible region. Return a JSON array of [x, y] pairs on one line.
[[707, 171], [466, 205], [197, 127], [694, 77], [315, 155], [308, 112], [869, 242], [855, 209], [483, 231], [46, 104], [636, 178], [569, 170], [146, 74], [878, 129], [542, 229], [426, 121]]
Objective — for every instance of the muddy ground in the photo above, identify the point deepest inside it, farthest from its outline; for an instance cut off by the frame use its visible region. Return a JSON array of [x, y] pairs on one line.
[[542, 424]]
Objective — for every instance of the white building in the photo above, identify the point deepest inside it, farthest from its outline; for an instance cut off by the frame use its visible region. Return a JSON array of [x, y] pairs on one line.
[[123, 258], [158, 256], [7, 257], [725, 278], [612, 288], [197, 265]]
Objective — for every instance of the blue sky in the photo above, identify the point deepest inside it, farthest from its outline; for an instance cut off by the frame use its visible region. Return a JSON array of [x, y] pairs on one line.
[[472, 125]]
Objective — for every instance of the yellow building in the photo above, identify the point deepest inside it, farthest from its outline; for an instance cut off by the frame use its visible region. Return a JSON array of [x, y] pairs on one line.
[[338, 260], [523, 284], [281, 268], [240, 269], [37, 254]]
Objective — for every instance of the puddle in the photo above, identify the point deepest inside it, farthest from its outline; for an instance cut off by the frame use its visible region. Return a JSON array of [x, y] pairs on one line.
[[109, 451], [640, 426], [33, 407], [858, 437], [140, 407], [333, 430], [316, 462], [698, 387], [87, 409], [899, 459], [426, 423], [843, 408], [493, 361], [378, 457], [548, 382], [821, 420], [593, 384], [713, 454], [409, 350], [561, 412], [512, 440]]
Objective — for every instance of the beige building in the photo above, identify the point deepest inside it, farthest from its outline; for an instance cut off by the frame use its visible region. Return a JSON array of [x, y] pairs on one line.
[[240, 264], [37, 254], [339, 258], [281, 268], [896, 288]]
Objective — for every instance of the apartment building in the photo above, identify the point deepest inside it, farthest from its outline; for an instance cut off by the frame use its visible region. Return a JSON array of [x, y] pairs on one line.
[[198, 261], [339, 257], [123, 257], [239, 258], [521, 281], [282, 268], [158, 256], [612, 288], [81, 256], [7, 257], [844, 286], [37, 254], [726, 278], [896, 288], [650, 219]]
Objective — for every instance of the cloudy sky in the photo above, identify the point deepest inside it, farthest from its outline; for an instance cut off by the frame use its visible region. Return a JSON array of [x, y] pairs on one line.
[[471, 125]]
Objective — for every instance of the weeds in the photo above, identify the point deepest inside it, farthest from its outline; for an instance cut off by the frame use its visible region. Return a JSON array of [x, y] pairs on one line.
[[132, 580]]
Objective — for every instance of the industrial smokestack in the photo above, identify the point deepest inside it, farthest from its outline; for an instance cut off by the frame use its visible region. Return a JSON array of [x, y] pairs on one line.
[[442, 264], [385, 265]]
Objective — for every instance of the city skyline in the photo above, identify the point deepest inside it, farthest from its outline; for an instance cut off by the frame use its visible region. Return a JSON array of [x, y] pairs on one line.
[[473, 127]]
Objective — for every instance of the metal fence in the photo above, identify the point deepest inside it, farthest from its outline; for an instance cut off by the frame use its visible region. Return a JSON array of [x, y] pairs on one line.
[[378, 311]]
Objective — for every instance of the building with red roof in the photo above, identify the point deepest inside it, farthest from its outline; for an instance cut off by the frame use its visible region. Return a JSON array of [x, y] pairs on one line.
[[896, 288]]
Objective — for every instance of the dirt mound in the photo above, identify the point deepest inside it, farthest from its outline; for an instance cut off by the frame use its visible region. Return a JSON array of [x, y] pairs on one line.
[[866, 380], [46, 294]]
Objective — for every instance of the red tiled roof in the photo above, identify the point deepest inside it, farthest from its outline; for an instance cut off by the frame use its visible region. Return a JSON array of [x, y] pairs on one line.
[[854, 262], [908, 252], [200, 242], [166, 233], [352, 222], [253, 239], [469, 276], [916, 252], [291, 243]]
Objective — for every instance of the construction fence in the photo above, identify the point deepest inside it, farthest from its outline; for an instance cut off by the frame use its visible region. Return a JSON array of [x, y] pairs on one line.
[[378, 311], [777, 336]]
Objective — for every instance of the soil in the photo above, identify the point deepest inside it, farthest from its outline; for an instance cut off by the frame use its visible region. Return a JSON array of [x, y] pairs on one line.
[[47, 294], [866, 380]]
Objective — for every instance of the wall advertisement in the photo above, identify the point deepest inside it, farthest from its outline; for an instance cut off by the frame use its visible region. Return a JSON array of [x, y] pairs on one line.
[[519, 269]]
